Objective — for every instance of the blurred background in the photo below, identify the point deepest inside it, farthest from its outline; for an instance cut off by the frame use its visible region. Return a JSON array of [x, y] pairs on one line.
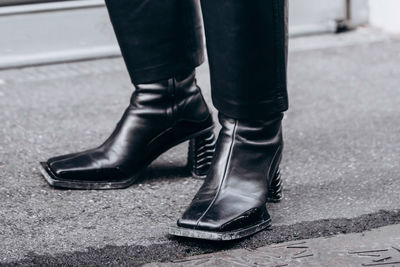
[[80, 29]]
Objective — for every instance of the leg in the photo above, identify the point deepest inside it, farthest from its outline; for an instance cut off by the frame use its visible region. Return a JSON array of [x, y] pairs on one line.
[[158, 39], [161, 44], [247, 54], [246, 43]]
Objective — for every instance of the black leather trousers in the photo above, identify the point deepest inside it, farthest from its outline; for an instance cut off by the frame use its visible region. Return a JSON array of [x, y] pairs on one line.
[[246, 46]]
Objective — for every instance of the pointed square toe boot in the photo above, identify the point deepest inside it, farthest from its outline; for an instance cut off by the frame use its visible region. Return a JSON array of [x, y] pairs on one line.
[[244, 175], [160, 115]]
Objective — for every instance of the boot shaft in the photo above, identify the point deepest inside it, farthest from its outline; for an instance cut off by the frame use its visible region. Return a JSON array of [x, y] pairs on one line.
[[178, 97]]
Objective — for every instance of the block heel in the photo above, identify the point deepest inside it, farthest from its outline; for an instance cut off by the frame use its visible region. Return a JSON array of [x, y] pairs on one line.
[[275, 193], [201, 151]]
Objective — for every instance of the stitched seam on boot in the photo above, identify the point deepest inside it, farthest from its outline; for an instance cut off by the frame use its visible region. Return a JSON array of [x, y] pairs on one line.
[[224, 175]]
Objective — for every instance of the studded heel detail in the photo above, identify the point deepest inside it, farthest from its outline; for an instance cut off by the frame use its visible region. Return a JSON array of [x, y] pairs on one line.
[[275, 193], [200, 154]]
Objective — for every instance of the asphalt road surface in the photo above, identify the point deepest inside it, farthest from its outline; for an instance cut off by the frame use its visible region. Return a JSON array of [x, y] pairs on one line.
[[340, 168]]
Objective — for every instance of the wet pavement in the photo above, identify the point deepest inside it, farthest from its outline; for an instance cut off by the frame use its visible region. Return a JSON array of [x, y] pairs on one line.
[[340, 167]]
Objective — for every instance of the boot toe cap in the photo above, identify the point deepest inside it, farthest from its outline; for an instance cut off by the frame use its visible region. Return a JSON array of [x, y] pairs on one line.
[[72, 167], [232, 222], [187, 223], [63, 157]]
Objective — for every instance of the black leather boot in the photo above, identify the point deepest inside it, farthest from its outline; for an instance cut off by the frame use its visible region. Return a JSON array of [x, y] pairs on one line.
[[160, 116], [244, 175]]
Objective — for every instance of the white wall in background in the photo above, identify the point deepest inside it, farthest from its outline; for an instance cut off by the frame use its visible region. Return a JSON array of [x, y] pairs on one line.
[[359, 12], [385, 14]]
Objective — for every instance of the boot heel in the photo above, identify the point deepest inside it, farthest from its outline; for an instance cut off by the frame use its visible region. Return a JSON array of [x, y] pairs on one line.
[[201, 152], [275, 193]]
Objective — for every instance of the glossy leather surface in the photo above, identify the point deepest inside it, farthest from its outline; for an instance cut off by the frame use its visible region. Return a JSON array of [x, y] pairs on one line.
[[235, 191], [160, 115]]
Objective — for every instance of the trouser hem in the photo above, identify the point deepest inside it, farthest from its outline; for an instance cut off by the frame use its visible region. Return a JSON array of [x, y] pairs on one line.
[[165, 71], [252, 111]]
